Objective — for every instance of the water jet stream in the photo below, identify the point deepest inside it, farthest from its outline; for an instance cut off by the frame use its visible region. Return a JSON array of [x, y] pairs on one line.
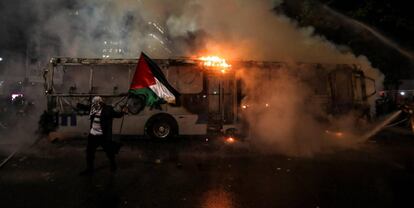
[[377, 34]]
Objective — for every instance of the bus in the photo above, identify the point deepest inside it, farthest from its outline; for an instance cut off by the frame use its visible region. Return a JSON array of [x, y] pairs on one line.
[[212, 97]]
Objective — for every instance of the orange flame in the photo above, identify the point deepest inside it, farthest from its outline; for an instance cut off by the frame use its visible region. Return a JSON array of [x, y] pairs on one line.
[[337, 134], [230, 140], [214, 61]]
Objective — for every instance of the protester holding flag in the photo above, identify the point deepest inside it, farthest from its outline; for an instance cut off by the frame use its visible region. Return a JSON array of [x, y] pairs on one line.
[[149, 85], [100, 134]]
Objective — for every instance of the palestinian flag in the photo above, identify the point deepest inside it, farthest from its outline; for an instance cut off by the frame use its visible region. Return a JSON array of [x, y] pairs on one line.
[[150, 82]]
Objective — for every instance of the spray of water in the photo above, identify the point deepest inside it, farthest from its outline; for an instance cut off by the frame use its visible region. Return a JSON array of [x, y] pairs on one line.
[[374, 32], [376, 128]]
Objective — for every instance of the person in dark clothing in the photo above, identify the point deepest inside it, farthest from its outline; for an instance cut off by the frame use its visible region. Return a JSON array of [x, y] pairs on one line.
[[100, 134]]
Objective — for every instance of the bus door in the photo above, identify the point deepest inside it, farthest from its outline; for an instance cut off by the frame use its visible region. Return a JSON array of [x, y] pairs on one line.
[[349, 90], [342, 93], [221, 101]]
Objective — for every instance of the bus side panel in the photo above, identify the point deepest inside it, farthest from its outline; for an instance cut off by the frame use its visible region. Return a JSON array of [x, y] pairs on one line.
[[73, 126], [132, 125], [187, 125]]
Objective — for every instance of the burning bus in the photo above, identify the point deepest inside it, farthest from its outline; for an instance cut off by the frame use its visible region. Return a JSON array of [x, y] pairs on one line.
[[213, 94]]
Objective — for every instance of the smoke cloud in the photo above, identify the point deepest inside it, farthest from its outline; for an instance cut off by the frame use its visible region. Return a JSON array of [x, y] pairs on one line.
[[234, 29], [285, 116]]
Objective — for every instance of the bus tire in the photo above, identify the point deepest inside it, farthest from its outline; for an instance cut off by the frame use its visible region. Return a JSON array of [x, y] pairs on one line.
[[161, 127]]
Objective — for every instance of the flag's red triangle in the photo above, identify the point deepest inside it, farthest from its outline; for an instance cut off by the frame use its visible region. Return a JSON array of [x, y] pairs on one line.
[[143, 76]]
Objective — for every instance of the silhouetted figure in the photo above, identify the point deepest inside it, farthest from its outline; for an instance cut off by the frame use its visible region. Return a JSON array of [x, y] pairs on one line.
[[100, 134]]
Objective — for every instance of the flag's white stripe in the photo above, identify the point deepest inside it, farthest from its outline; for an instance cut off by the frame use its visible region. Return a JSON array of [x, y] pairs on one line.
[[161, 91]]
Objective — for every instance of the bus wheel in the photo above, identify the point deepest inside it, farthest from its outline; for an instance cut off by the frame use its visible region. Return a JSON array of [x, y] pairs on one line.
[[162, 127]]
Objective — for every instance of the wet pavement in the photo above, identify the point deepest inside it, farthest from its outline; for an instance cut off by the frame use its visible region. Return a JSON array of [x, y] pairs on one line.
[[199, 173]]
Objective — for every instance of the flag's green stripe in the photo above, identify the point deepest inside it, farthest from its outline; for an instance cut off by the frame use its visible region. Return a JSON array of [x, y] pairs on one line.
[[150, 97]]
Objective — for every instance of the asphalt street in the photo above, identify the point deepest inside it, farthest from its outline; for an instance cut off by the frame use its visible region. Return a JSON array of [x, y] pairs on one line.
[[210, 174]]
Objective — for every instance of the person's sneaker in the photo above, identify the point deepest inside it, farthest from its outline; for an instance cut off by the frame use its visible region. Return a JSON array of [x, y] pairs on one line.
[[87, 172]]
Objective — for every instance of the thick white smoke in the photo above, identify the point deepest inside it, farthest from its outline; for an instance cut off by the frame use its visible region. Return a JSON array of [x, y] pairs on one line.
[[234, 29]]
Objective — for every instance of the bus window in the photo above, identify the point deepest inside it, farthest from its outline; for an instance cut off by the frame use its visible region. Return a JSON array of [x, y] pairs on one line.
[[186, 79], [228, 100], [195, 103], [320, 81], [76, 80], [111, 79], [240, 89], [358, 91]]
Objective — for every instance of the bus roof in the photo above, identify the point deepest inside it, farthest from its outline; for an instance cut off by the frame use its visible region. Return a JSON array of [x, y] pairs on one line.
[[106, 61], [176, 61]]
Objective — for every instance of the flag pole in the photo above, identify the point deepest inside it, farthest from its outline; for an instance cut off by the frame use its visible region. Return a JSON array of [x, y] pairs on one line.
[[122, 124], [123, 117]]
